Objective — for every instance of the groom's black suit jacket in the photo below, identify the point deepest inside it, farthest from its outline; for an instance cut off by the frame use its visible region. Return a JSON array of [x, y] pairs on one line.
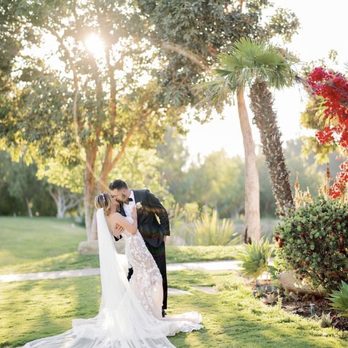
[[153, 221]]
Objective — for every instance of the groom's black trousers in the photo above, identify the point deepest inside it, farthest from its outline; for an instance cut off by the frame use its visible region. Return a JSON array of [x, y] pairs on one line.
[[159, 255]]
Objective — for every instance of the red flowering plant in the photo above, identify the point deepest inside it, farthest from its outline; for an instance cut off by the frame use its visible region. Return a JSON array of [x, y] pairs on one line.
[[332, 87]]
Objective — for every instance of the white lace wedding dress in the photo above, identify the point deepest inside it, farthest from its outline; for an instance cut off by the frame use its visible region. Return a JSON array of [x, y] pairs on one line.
[[130, 312]]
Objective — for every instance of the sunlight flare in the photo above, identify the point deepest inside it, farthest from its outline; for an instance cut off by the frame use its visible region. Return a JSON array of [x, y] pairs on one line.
[[95, 45]]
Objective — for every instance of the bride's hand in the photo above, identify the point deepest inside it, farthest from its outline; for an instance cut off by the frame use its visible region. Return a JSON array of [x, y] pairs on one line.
[[118, 230]]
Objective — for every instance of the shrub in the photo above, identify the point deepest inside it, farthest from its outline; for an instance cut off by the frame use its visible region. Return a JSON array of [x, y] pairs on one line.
[[339, 299], [255, 258], [210, 230], [314, 242], [182, 219]]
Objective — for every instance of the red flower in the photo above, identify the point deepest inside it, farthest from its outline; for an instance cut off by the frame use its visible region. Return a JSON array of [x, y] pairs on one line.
[[333, 87]]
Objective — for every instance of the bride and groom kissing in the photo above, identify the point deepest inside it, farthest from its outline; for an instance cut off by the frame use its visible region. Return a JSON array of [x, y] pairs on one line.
[[132, 307], [152, 223]]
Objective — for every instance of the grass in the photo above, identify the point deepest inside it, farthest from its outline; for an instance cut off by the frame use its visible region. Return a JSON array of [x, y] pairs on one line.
[[232, 318], [199, 253], [48, 244], [40, 244]]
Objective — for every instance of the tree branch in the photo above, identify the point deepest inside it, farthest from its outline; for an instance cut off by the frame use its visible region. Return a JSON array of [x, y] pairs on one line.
[[77, 120], [186, 53]]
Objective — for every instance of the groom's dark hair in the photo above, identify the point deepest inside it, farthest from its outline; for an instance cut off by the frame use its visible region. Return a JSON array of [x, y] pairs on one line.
[[118, 185]]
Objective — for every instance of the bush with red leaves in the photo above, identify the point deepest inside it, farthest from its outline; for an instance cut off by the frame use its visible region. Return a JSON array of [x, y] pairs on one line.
[[333, 88]]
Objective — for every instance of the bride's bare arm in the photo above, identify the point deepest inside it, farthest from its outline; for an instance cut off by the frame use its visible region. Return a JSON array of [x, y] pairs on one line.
[[118, 219]]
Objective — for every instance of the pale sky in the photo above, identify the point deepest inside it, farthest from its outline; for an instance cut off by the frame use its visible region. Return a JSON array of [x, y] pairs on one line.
[[323, 28]]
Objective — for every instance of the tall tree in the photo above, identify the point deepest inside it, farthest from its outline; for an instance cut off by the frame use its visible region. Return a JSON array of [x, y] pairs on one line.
[[95, 99], [190, 36], [260, 65]]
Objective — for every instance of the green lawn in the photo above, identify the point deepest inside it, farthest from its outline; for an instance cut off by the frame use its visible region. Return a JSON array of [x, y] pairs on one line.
[[232, 318], [48, 244]]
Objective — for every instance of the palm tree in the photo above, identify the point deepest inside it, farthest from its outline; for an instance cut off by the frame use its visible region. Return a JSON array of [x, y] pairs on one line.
[[218, 91], [261, 66]]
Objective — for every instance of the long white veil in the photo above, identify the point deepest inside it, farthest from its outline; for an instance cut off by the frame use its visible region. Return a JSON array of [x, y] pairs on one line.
[[121, 322]]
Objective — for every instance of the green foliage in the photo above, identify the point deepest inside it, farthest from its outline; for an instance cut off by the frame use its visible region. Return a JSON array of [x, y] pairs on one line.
[[210, 230], [255, 258], [278, 265], [69, 176], [145, 173], [304, 169], [217, 182], [315, 242], [81, 108], [339, 299], [313, 118], [191, 34], [21, 193], [182, 218], [259, 65], [174, 155], [325, 320], [141, 168], [73, 100], [222, 189], [249, 60]]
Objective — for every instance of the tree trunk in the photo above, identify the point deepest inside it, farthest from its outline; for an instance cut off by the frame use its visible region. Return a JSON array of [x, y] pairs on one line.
[[90, 191], [64, 200], [60, 208], [29, 206], [266, 120], [252, 186], [60, 203]]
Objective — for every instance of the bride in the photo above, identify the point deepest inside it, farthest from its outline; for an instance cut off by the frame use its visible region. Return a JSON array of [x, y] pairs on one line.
[[130, 312]]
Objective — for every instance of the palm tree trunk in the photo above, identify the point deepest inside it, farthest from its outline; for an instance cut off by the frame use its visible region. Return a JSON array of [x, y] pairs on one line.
[[266, 120], [252, 186]]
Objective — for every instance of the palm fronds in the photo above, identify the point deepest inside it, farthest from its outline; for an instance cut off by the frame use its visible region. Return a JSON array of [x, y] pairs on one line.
[[249, 60]]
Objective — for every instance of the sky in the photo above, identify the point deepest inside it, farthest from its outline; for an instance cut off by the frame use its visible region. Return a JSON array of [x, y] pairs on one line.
[[323, 28]]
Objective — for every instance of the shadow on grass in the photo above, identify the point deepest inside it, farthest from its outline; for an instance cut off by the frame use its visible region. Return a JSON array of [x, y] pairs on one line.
[[231, 318], [35, 318], [51, 327], [184, 280], [234, 324]]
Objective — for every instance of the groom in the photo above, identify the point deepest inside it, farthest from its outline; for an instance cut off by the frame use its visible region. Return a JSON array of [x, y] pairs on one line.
[[153, 231]]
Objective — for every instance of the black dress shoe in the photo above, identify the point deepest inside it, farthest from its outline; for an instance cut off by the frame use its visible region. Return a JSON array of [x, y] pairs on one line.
[[163, 313]]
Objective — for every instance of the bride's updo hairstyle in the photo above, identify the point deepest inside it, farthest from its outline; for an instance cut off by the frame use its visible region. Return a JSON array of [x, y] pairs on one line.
[[103, 200]]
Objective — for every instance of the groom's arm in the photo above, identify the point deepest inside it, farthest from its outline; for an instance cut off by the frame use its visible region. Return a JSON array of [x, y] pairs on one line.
[[160, 211], [119, 229]]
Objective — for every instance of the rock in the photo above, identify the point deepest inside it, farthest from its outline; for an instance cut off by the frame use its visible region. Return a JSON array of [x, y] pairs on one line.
[[289, 282], [90, 247]]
